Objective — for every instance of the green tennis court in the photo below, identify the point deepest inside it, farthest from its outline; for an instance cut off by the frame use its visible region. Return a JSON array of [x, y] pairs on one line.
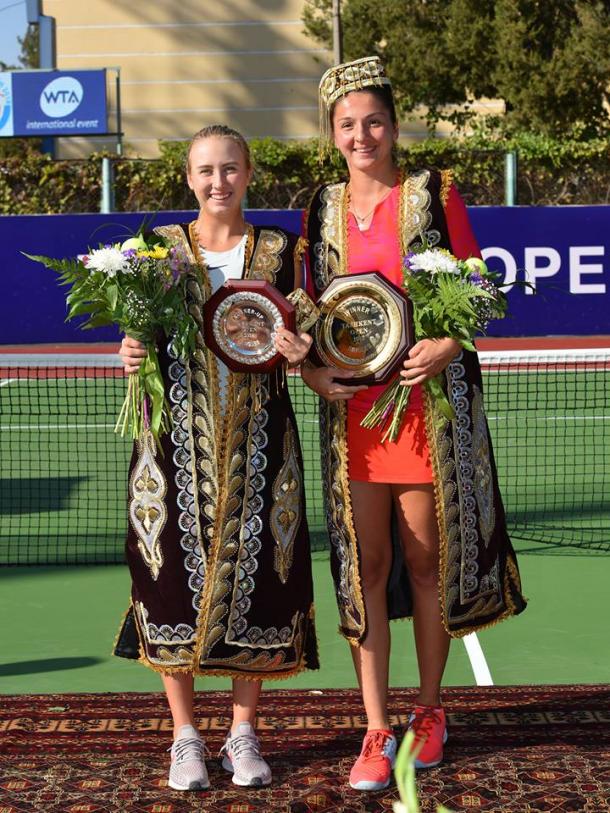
[[62, 501], [63, 621]]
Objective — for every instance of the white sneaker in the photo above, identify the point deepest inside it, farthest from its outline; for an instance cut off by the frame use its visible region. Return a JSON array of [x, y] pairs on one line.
[[242, 758], [187, 770]]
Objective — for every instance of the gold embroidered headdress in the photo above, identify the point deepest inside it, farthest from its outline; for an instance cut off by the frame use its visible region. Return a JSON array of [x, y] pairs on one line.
[[342, 79]]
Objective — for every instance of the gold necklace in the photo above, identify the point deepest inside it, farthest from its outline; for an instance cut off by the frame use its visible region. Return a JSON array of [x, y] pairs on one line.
[[344, 212], [364, 218]]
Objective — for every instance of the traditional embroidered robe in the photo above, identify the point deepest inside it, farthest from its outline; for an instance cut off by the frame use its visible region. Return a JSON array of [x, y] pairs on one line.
[[479, 578], [218, 545]]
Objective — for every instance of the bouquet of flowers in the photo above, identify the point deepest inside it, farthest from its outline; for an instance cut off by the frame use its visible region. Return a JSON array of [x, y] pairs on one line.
[[139, 286], [451, 298]]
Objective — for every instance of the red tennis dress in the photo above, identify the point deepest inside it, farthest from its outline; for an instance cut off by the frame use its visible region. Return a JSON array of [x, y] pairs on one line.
[[407, 460]]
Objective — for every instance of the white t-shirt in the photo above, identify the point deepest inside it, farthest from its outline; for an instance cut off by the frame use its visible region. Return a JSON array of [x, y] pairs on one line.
[[222, 266]]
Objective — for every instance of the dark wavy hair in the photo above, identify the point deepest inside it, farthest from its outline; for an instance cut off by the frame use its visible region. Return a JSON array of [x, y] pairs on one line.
[[381, 92]]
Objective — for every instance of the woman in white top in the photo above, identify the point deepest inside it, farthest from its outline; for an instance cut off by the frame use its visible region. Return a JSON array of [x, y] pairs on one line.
[[233, 595]]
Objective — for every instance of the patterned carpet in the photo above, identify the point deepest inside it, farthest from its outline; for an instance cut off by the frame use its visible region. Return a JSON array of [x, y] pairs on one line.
[[511, 750]]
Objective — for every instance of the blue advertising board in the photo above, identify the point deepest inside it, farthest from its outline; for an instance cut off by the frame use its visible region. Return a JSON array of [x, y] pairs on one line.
[[564, 253], [53, 103]]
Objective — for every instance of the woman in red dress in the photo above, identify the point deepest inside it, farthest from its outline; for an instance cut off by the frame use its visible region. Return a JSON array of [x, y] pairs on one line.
[[417, 526]]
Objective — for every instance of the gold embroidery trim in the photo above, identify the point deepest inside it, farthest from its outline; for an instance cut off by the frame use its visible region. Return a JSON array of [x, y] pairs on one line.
[[212, 452], [202, 401], [226, 535], [297, 255], [333, 231], [433, 431], [285, 517], [414, 208], [307, 312], [482, 476], [446, 181], [147, 509], [175, 233], [334, 224], [266, 260], [213, 605]]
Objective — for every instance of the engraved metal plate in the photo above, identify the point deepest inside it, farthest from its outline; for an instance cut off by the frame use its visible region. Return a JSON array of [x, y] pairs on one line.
[[240, 321], [365, 325]]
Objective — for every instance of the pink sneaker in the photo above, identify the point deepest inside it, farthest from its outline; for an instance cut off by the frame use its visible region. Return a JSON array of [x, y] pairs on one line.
[[373, 768], [430, 727]]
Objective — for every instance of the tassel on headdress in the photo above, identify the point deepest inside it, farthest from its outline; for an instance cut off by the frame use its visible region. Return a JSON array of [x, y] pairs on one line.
[[340, 80]]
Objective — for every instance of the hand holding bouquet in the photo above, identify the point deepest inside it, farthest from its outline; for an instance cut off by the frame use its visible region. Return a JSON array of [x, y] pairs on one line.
[[451, 298], [139, 286]]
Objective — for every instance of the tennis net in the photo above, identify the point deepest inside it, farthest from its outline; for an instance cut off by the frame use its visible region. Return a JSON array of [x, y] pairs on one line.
[[63, 470]]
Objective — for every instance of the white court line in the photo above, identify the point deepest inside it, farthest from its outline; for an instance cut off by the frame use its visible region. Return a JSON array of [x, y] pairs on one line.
[[579, 418], [6, 381], [26, 426], [482, 675], [557, 418]]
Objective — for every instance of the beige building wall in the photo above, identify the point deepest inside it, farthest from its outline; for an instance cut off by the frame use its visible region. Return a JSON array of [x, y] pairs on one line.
[[188, 63]]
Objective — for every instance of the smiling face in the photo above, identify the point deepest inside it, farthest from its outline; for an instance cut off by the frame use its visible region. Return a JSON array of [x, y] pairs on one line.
[[218, 173], [364, 131]]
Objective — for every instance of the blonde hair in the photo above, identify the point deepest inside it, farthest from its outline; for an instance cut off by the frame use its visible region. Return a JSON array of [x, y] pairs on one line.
[[220, 131]]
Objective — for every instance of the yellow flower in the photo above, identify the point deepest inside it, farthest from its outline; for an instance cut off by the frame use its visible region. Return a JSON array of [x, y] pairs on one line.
[[156, 253]]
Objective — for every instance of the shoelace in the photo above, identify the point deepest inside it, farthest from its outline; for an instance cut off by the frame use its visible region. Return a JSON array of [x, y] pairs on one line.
[[243, 745], [375, 744], [189, 748], [424, 721]]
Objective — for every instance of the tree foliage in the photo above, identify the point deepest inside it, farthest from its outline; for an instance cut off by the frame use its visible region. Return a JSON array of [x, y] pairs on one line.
[[30, 52], [548, 61], [28, 58]]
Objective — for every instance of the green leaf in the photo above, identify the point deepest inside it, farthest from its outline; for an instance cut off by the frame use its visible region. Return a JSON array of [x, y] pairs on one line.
[[99, 320], [79, 308], [112, 292]]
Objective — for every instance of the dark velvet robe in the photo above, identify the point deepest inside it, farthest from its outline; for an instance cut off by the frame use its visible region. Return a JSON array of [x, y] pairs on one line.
[[479, 578], [218, 545]]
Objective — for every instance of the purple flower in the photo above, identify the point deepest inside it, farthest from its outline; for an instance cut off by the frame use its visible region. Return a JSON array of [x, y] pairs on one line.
[[407, 259], [476, 279], [408, 263], [178, 262]]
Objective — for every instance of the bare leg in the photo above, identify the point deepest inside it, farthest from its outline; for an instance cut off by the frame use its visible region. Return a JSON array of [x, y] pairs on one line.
[[371, 504], [179, 689], [419, 534], [188, 770], [245, 700]]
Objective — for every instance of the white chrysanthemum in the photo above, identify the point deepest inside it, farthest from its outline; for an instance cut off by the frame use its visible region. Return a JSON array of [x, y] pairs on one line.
[[108, 260], [434, 261]]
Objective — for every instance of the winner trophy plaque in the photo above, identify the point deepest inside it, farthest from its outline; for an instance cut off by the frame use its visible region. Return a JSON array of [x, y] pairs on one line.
[[239, 321], [365, 325]]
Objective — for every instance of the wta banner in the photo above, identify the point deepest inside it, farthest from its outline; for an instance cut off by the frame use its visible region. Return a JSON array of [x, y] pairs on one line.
[[53, 103], [563, 253]]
